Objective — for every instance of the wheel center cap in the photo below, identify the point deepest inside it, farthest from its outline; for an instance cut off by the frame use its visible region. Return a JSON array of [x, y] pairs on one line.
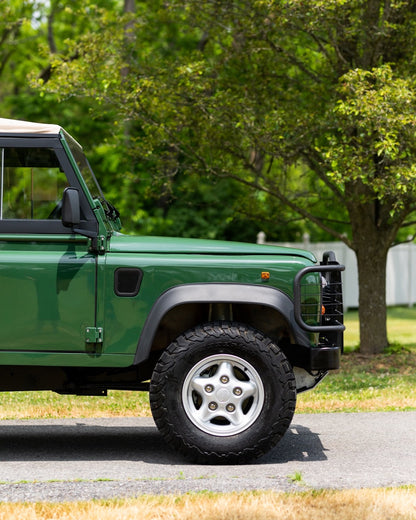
[[223, 395]]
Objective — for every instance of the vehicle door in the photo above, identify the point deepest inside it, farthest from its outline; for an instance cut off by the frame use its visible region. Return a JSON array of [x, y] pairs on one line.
[[47, 273]]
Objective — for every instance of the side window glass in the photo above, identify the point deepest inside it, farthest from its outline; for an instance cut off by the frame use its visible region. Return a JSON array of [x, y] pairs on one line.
[[32, 184]]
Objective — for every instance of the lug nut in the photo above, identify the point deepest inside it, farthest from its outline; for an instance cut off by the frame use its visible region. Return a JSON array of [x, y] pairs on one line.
[[209, 389], [230, 408], [212, 406], [224, 379], [237, 391]]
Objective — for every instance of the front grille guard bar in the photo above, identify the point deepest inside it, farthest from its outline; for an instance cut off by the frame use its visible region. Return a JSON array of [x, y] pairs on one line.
[[331, 299]]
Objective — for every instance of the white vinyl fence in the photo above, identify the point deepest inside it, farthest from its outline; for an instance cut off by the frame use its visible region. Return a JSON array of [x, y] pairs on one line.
[[401, 269]]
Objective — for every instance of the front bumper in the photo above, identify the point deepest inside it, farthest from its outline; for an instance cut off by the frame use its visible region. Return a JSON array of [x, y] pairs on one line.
[[314, 358]]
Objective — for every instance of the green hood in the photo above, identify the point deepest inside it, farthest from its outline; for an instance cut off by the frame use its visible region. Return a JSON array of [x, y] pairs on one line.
[[167, 245]]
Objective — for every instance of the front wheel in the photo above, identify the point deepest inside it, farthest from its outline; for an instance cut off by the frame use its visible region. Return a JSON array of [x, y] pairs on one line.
[[223, 393]]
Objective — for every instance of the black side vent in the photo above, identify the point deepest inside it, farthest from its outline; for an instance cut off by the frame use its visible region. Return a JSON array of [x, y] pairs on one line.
[[127, 281]]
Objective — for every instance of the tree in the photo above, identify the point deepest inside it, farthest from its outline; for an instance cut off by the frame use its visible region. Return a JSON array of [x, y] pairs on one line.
[[13, 23], [32, 36], [310, 102], [149, 188]]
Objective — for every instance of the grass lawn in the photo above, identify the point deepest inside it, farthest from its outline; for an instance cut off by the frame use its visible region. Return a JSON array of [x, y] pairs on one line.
[[401, 327]]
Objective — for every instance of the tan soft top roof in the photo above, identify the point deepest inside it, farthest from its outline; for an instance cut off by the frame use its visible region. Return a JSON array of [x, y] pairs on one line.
[[13, 126]]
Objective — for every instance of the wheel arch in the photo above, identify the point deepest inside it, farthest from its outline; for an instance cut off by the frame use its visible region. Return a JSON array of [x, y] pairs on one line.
[[185, 306]]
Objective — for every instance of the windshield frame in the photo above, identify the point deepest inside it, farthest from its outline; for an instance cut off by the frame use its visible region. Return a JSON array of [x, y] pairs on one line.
[[84, 167], [88, 179]]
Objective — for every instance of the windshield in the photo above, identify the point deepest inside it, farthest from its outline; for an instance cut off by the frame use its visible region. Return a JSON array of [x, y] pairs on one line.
[[90, 179], [85, 168]]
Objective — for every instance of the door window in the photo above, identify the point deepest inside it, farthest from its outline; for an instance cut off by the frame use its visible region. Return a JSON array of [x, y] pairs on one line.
[[31, 184]]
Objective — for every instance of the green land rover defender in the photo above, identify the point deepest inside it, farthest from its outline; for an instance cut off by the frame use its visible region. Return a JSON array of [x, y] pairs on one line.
[[222, 335]]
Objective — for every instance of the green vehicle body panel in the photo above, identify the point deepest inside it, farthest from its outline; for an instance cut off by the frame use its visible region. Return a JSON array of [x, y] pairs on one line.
[[48, 293], [161, 273], [51, 281]]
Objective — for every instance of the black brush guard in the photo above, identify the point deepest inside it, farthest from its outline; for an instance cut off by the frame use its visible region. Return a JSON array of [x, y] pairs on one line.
[[329, 323]]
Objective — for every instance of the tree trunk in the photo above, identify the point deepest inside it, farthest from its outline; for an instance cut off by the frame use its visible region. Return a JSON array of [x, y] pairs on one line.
[[372, 300], [373, 232]]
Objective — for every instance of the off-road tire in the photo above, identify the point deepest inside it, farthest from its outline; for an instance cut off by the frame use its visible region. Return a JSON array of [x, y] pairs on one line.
[[251, 365]]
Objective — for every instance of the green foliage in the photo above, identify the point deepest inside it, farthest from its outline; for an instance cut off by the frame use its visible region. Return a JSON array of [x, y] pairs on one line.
[[377, 112], [258, 91], [152, 192]]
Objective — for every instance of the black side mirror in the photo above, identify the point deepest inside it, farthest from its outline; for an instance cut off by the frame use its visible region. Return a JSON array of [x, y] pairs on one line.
[[71, 208]]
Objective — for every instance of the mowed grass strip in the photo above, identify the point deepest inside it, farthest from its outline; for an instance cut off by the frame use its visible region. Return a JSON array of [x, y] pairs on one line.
[[379, 383], [372, 504], [48, 405]]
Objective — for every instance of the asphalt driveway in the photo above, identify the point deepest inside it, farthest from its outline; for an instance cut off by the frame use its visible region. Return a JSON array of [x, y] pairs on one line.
[[80, 459]]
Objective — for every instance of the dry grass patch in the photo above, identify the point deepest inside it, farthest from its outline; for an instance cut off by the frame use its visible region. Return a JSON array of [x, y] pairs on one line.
[[378, 504]]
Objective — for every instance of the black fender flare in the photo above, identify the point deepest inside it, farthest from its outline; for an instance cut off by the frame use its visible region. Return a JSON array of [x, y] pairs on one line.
[[216, 293]]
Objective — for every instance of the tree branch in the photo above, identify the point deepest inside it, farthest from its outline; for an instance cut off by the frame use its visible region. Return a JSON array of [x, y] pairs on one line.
[[293, 60], [276, 193]]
